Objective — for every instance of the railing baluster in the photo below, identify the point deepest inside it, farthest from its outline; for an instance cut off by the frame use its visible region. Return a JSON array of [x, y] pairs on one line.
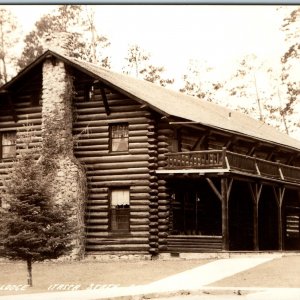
[[213, 159]]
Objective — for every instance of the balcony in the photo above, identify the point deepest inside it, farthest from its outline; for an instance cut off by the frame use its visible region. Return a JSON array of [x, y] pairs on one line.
[[211, 161]]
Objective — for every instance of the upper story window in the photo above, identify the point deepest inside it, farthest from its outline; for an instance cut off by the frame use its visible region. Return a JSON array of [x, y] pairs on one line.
[[89, 92], [120, 210], [8, 145], [119, 137]]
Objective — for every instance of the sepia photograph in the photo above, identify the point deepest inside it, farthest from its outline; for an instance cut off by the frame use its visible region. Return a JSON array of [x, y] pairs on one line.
[[149, 151]]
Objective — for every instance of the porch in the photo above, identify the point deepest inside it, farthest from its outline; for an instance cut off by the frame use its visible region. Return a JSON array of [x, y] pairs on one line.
[[223, 201], [210, 161]]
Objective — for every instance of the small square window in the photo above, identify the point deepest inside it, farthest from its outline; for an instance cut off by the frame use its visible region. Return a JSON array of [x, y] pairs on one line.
[[119, 137], [120, 210], [8, 145], [90, 91]]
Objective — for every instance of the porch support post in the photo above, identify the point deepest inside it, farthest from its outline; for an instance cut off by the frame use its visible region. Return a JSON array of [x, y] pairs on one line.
[[225, 229], [279, 194], [255, 193]]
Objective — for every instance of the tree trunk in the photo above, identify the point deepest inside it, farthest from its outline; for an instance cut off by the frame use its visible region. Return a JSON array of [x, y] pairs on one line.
[[29, 271]]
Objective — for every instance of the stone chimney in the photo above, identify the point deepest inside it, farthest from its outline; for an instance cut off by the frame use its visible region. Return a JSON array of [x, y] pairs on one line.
[[69, 179]]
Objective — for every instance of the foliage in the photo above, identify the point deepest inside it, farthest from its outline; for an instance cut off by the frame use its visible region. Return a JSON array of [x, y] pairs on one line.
[[33, 227], [290, 65], [198, 81], [8, 40], [74, 19], [138, 65]]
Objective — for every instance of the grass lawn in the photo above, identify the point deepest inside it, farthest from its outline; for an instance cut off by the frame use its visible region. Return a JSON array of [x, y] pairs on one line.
[[281, 272], [86, 273]]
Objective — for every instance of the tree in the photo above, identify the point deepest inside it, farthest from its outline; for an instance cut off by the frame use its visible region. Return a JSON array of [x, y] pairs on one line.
[[200, 82], [8, 40], [32, 227], [72, 19], [139, 66], [290, 67], [243, 87], [97, 43]]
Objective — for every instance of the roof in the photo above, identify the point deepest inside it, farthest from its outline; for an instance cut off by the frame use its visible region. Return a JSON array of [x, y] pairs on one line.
[[177, 104]]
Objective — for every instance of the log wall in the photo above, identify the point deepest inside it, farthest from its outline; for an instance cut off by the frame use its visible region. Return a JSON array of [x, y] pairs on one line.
[[106, 170], [28, 113]]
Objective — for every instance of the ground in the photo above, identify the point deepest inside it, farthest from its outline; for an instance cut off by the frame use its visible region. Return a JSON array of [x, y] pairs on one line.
[[280, 272], [87, 273]]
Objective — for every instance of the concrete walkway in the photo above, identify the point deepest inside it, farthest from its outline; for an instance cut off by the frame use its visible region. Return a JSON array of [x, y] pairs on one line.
[[193, 279], [208, 273]]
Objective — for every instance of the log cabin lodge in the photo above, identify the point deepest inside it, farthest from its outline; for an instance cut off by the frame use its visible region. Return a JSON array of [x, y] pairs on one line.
[[164, 172]]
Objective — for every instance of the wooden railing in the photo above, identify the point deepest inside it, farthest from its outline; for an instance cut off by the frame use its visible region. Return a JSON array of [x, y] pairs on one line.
[[223, 159], [196, 159]]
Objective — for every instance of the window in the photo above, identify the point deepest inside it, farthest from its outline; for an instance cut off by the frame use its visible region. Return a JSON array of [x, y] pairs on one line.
[[8, 145], [89, 92], [119, 210], [119, 137]]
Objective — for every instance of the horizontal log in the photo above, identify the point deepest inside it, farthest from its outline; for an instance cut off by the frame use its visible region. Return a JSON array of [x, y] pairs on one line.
[[139, 227], [100, 208], [117, 241], [95, 228], [138, 151], [162, 208], [116, 158], [139, 214], [140, 189], [133, 127], [117, 166], [138, 139], [139, 202], [119, 177], [163, 215], [98, 201], [138, 207], [123, 248], [89, 141], [98, 214], [137, 221], [137, 195], [98, 221], [30, 116], [98, 190], [117, 171], [95, 195], [93, 123], [28, 110], [144, 146], [163, 227], [119, 183]]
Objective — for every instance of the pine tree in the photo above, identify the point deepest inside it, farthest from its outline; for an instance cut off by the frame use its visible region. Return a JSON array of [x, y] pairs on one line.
[[138, 65], [290, 68], [87, 44], [33, 227], [9, 39]]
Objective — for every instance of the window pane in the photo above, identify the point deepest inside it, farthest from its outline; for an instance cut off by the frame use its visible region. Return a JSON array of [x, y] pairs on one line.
[[8, 144], [9, 151], [120, 210], [119, 137], [8, 138], [120, 219], [119, 144], [119, 197]]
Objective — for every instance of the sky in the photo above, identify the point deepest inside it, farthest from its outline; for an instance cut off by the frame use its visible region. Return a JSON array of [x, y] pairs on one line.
[[173, 34]]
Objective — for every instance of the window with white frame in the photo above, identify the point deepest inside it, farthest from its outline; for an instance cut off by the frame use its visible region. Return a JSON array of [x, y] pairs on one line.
[[119, 137], [8, 145], [120, 210]]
